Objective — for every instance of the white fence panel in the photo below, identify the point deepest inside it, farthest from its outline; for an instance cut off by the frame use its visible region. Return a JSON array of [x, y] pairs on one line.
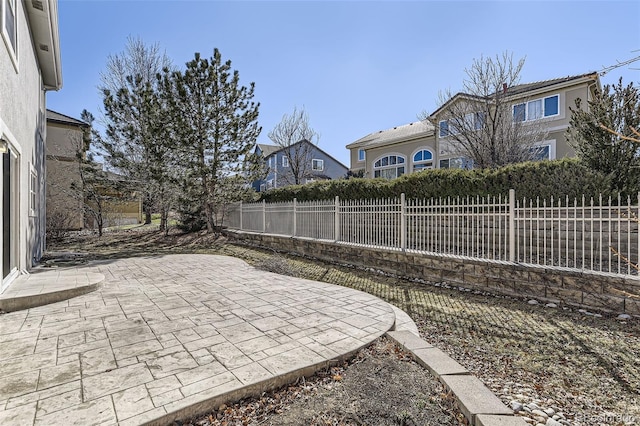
[[462, 227], [371, 223], [597, 235], [279, 218], [586, 234], [315, 219]]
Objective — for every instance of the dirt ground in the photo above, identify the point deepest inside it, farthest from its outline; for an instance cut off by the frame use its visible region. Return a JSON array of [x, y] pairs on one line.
[[381, 385]]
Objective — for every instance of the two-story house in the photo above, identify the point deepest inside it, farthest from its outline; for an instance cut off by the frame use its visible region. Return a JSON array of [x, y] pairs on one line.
[[297, 164], [65, 207], [29, 66], [425, 144]]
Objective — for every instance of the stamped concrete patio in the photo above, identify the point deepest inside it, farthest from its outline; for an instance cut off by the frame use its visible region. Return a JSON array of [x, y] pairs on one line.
[[167, 337]]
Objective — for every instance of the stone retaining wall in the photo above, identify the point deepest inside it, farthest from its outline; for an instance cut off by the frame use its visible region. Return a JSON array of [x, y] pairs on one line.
[[582, 289]]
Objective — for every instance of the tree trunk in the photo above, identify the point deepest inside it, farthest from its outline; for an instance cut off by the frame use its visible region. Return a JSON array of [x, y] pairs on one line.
[[209, 217]]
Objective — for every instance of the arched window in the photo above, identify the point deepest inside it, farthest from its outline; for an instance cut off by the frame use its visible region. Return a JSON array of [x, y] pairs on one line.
[[389, 166], [422, 159]]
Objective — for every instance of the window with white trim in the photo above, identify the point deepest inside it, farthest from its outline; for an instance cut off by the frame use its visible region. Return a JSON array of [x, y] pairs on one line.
[[456, 163], [33, 183], [422, 159], [285, 161], [362, 156], [10, 26], [452, 126], [537, 109], [443, 128], [317, 165], [389, 166], [545, 150]]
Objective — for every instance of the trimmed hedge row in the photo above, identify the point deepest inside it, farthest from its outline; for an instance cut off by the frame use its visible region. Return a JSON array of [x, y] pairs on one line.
[[544, 179]]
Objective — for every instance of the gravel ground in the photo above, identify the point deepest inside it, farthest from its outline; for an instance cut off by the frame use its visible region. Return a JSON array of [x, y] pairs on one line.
[[551, 364]]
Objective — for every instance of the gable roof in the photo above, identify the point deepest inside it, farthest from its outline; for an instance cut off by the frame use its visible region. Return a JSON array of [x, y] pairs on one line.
[[56, 117], [405, 132], [520, 89], [268, 150]]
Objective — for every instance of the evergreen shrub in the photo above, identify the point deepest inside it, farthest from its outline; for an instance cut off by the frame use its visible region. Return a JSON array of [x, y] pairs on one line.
[[543, 179]]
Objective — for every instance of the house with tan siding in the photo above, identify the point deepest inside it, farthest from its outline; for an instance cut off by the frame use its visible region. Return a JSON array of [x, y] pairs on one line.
[[65, 206], [424, 144]]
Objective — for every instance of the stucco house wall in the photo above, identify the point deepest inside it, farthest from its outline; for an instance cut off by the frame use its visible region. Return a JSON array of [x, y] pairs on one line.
[[65, 206], [23, 132], [568, 92]]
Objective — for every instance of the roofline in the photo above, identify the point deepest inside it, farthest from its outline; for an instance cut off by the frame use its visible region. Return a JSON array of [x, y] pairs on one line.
[[572, 81], [454, 97], [361, 141], [72, 121], [575, 80], [305, 140], [391, 141], [43, 23]]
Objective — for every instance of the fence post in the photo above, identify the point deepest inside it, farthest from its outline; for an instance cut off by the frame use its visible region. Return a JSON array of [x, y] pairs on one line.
[[295, 215], [512, 225], [403, 222], [336, 208], [264, 216], [241, 215]]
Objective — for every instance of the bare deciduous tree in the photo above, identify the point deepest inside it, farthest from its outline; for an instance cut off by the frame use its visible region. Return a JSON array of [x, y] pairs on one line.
[[480, 122], [93, 188], [289, 135], [134, 121], [138, 59]]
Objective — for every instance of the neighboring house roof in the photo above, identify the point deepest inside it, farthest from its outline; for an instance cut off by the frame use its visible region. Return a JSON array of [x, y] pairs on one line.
[[529, 87], [520, 89], [405, 132], [56, 117], [268, 150], [43, 22]]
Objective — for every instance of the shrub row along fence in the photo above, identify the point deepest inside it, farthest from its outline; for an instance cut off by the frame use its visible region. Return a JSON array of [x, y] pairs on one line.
[[584, 234]]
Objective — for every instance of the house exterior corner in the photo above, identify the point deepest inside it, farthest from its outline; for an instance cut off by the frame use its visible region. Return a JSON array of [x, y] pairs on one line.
[[27, 73]]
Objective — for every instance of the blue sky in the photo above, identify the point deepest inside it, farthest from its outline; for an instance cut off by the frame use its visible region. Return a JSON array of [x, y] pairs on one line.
[[356, 66]]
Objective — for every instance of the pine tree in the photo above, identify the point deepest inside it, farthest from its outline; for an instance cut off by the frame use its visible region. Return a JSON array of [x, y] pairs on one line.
[[215, 128], [605, 134]]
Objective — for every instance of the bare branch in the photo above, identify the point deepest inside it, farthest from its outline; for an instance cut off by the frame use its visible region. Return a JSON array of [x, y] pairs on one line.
[[621, 136], [290, 135], [480, 121], [618, 64]]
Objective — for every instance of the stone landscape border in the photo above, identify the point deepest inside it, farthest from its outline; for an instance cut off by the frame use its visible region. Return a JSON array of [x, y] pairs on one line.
[[478, 404], [589, 290]]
